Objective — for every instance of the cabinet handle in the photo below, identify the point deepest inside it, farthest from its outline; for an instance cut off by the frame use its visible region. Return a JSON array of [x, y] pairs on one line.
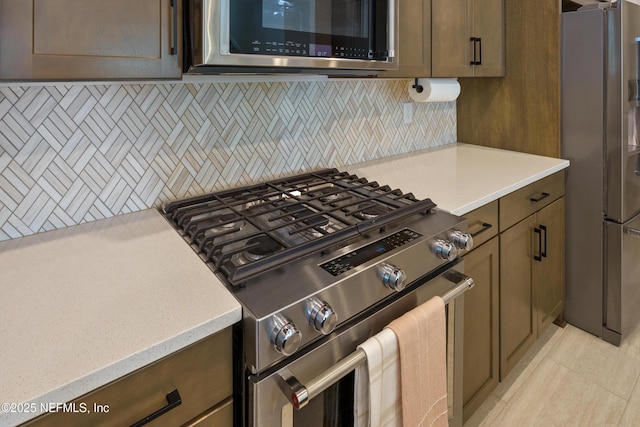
[[485, 227], [539, 233], [173, 400], [477, 50], [543, 252], [542, 196], [473, 61], [173, 49]]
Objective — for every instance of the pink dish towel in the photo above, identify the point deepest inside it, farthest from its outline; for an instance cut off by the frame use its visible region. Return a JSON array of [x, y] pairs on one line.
[[423, 364]]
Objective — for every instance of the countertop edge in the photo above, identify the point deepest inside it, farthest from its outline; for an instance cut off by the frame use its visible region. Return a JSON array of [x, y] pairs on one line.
[[94, 380], [463, 210]]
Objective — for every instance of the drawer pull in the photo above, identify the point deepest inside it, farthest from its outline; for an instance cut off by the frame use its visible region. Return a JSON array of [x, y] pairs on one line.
[[542, 196], [173, 400], [485, 227]]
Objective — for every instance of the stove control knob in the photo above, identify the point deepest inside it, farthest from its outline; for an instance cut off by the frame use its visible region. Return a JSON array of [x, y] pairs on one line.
[[321, 316], [444, 250], [285, 337], [461, 240], [392, 277]]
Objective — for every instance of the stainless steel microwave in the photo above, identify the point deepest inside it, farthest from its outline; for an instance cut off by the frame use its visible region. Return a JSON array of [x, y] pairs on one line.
[[258, 36]]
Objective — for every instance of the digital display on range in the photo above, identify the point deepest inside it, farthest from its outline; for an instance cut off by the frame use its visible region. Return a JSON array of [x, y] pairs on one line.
[[366, 253]]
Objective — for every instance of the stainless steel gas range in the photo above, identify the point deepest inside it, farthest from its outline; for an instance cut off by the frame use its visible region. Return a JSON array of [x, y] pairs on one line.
[[321, 262]]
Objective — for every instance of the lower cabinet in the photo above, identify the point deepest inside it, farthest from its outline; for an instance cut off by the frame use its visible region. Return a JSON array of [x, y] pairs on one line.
[[219, 416], [548, 274], [531, 281], [481, 328], [518, 327], [517, 264], [199, 377]]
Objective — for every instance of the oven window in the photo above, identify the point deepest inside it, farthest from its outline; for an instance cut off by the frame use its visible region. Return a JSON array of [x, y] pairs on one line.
[[309, 28], [334, 408]]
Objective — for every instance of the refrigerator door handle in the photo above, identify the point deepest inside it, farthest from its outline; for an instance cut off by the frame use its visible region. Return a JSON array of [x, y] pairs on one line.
[[633, 232]]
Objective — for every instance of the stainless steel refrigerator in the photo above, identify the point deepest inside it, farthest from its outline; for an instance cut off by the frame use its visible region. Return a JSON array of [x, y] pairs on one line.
[[601, 138]]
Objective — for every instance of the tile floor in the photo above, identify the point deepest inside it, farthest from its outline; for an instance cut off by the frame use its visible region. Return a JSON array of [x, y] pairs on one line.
[[569, 378]]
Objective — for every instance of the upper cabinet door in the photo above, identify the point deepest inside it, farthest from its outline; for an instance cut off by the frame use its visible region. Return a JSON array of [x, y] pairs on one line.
[[89, 39], [414, 44], [468, 38], [450, 34], [489, 27]]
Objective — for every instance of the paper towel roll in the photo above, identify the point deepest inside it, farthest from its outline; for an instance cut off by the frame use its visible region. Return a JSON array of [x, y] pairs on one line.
[[435, 90]]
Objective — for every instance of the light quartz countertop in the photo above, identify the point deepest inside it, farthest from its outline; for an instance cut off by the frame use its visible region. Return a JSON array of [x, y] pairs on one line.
[[459, 177], [85, 305]]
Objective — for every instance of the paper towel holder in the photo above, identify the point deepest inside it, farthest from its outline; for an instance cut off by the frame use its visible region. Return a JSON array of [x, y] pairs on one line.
[[417, 86]]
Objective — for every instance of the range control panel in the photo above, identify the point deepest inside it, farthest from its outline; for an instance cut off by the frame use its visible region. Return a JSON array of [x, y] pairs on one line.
[[366, 253]]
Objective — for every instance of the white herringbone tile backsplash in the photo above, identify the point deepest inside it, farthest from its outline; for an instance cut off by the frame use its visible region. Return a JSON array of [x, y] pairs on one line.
[[76, 153]]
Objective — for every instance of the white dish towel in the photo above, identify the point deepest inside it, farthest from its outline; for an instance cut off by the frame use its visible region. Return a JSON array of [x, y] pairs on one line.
[[377, 383]]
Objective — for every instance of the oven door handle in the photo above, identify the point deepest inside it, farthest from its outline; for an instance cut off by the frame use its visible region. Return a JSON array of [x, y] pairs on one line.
[[462, 284], [299, 395]]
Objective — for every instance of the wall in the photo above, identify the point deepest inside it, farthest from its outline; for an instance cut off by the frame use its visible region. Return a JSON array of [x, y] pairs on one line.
[[72, 153], [521, 111]]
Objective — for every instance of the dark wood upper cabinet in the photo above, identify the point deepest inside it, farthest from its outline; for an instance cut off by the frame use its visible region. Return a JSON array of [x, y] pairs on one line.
[[468, 38], [89, 39]]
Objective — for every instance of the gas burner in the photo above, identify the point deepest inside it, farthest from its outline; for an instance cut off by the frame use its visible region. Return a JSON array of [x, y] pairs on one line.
[[370, 210], [308, 223], [326, 194], [307, 216], [319, 227], [226, 222], [260, 247], [318, 222], [254, 205]]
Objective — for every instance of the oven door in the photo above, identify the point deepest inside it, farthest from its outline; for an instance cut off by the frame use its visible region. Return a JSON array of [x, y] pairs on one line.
[[324, 374], [340, 34]]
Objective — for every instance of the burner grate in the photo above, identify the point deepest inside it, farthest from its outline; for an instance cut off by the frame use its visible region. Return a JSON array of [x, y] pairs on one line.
[[300, 214]]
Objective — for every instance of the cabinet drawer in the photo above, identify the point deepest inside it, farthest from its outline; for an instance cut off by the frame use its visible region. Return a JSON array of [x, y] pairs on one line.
[[220, 416], [483, 223], [518, 205], [201, 373]]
